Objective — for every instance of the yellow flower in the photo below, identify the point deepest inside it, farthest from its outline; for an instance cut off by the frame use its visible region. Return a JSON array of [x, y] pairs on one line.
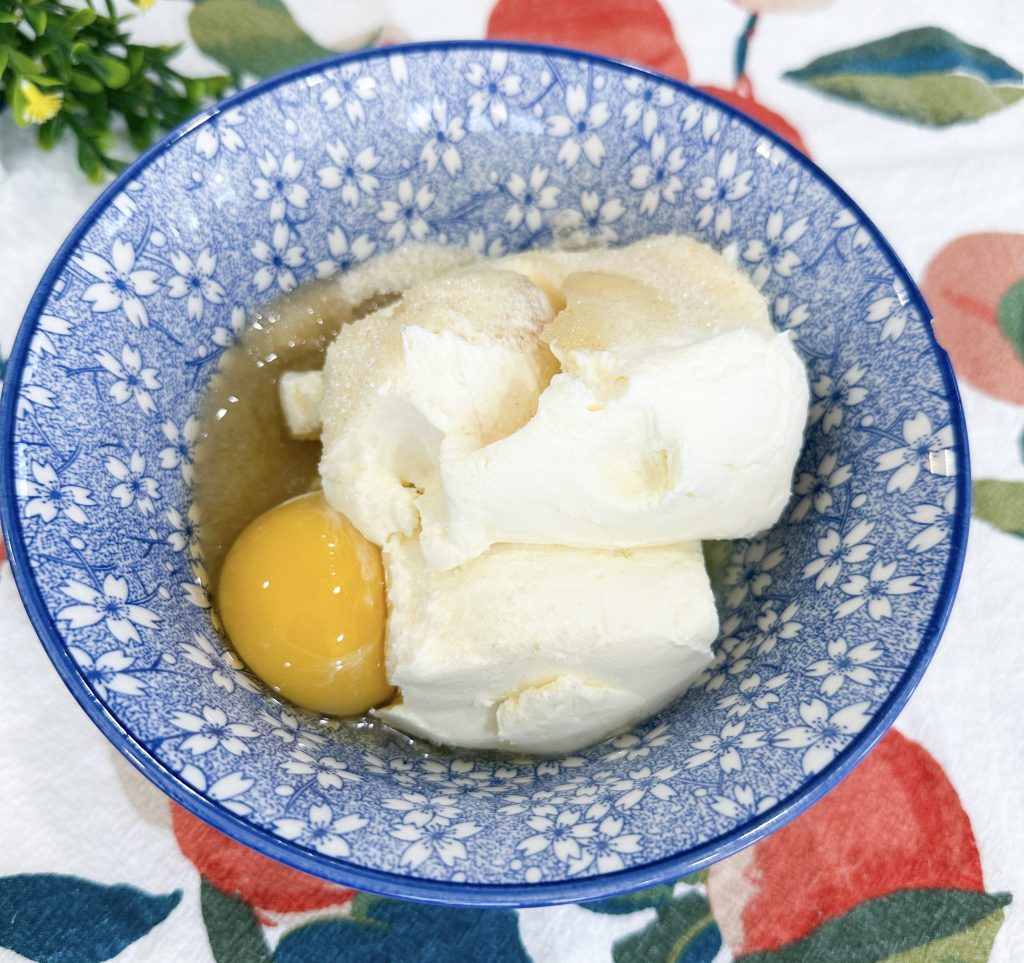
[[145, 4], [39, 106]]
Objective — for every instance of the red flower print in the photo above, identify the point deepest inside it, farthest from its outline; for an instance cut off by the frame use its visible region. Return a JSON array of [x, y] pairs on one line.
[[966, 286], [636, 30], [261, 882], [895, 823]]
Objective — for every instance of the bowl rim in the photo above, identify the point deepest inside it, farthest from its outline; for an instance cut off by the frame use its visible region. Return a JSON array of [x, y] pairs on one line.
[[446, 892]]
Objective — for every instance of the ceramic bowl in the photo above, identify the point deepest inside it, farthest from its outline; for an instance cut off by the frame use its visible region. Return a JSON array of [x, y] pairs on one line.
[[829, 618]]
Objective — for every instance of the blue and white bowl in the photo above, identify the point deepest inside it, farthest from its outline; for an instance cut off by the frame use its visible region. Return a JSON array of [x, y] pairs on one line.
[[830, 617]]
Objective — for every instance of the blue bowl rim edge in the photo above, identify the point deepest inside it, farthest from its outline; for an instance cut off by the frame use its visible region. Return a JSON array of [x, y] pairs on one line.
[[442, 892]]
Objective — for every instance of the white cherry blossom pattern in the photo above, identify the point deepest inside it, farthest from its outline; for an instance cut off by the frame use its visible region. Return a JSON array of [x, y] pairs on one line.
[[480, 245], [395, 768], [646, 98], [184, 533], [352, 176], [638, 783], [421, 810], [937, 518], [753, 693], [197, 590], [822, 735], [891, 310], [110, 605], [126, 202], [531, 196], [280, 259], [279, 184], [658, 179], [770, 152], [631, 746], [835, 551], [924, 448], [743, 802], [726, 748], [134, 486], [709, 120], [462, 777], [732, 657], [132, 379], [224, 336], [219, 133], [578, 128], [320, 830], [329, 772], [591, 221], [194, 280], [774, 627], [109, 672], [212, 730], [789, 316], [30, 395], [748, 568], [351, 90], [226, 669], [398, 67], [843, 663], [225, 790], [443, 133], [48, 328], [440, 839], [774, 254], [49, 497], [562, 832], [605, 847], [495, 85], [848, 226], [721, 192], [180, 450], [815, 490], [119, 283], [876, 590], [831, 397], [284, 725], [406, 213], [344, 254]]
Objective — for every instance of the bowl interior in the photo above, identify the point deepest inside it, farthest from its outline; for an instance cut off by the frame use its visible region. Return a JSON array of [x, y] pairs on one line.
[[829, 617]]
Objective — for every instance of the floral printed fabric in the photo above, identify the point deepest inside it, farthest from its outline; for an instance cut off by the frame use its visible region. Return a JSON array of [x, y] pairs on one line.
[[917, 111]]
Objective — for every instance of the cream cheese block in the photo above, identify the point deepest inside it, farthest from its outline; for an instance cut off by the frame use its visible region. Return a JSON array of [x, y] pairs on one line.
[[458, 357], [542, 649]]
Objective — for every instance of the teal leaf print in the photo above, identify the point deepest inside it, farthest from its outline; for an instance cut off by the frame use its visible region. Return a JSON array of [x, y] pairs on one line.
[[926, 75], [909, 926], [684, 931], [384, 930], [66, 919], [234, 933], [1010, 314]]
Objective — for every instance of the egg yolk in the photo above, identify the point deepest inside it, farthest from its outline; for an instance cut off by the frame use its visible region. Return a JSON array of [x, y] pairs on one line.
[[301, 596]]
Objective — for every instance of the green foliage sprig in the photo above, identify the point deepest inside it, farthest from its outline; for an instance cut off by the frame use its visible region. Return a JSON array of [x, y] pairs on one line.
[[65, 67]]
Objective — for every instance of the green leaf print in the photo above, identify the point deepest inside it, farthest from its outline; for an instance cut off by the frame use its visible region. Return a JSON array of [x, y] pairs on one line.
[[1000, 503], [684, 931], [910, 926], [251, 36], [234, 933], [1010, 313], [926, 75]]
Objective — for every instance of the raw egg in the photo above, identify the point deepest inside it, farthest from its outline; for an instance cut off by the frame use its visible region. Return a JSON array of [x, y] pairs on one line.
[[301, 596]]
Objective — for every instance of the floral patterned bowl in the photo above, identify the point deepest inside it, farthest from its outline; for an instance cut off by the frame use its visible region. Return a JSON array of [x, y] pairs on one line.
[[830, 617]]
